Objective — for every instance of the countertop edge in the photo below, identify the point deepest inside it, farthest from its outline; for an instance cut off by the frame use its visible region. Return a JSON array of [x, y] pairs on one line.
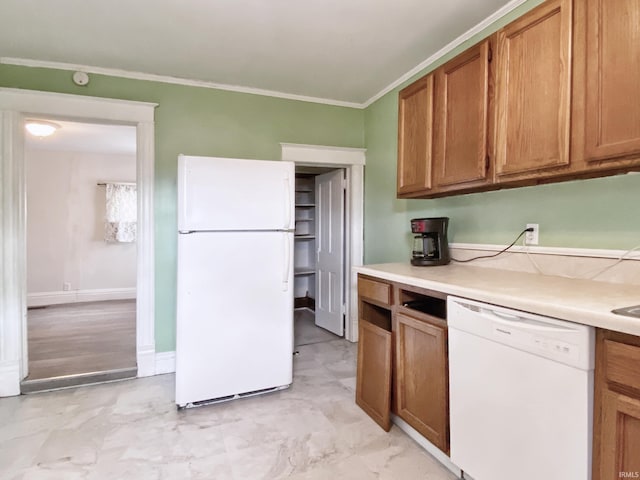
[[573, 313]]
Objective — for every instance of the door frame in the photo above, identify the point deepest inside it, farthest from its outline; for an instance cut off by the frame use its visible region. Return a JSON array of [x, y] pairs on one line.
[[353, 161], [15, 106]]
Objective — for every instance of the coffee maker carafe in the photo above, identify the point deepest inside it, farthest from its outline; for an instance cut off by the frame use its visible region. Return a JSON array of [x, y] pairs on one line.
[[430, 244]]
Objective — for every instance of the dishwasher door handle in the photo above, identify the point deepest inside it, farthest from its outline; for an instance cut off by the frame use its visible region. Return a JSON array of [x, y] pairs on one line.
[[521, 323]]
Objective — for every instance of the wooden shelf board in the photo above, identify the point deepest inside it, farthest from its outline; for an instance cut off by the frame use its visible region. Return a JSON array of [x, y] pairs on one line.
[[299, 271]]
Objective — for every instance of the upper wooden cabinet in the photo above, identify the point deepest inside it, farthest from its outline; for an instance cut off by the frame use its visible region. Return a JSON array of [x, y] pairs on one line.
[[533, 81], [607, 83], [461, 154], [557, 100], [415, 125]]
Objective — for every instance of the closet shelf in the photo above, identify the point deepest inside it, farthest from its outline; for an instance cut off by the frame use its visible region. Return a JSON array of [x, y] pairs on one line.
[[299, 271]]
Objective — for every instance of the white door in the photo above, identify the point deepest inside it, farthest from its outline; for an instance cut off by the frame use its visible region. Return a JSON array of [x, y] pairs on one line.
[[216, 194], [234, 313], [330, 251]]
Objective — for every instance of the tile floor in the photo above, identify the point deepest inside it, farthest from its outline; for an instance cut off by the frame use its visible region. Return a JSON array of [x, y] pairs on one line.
[[305, 330], [132, 430]]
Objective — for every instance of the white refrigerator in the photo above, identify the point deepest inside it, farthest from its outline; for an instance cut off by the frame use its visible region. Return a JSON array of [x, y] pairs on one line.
[[234, 334]]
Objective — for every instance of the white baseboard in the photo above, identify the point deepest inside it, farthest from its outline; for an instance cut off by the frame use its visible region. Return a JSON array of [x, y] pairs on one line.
[[427, 445], [76, 296], [9, 378], [165, 362], [146, 361]]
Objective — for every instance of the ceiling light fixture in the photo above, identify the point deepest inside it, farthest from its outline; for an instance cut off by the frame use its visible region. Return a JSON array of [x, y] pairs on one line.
[[41, 128]]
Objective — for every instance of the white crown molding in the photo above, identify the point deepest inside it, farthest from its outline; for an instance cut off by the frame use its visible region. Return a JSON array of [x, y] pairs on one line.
[[497, 15], [563, 251], [114, 72]]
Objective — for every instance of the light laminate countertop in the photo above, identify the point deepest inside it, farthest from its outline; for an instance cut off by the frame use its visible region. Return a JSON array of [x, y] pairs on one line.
[[582, 301]]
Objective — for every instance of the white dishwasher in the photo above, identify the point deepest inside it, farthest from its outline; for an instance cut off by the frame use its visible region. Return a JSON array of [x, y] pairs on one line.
[[521, 394]]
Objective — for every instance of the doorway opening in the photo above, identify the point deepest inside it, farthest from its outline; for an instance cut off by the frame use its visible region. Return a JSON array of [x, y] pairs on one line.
[[319, 269], [352, 161], [81, 254]]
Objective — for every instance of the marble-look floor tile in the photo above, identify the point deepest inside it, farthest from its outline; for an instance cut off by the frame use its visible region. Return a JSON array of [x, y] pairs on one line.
[[132, 430]]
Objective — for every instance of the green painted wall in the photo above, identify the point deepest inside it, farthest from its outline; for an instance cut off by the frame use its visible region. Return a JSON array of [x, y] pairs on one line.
[[201, 121], [598, 213]]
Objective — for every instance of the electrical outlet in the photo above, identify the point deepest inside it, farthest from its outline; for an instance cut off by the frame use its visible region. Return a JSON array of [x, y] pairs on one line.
[[531, 238], [66, 286]]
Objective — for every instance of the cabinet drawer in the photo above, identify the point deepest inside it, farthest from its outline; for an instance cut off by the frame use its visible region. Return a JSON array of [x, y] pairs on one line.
[[621, 362], [374, 290]]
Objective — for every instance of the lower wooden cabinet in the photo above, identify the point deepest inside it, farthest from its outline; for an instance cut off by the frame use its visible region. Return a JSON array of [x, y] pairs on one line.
[[616, 436], [402, 356], [373, 384], [619, 437], [421, 386]]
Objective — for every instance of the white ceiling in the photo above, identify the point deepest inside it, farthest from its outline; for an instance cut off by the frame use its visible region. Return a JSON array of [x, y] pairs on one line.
[[341, 50], [86, 138]]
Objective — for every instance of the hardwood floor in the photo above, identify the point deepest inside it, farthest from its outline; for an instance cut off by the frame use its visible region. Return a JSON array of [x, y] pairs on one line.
[[81, 338]]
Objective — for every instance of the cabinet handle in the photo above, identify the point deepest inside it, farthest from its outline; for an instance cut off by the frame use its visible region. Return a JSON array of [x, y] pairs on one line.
[[487, 163]]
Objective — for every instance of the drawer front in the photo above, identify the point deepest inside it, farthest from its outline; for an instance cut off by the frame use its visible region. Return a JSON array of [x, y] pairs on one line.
[[622, 363], [374, 290]]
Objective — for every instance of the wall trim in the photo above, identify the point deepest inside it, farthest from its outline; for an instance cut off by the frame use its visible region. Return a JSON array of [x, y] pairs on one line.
[[9, 378], [115, 72], [39, 299], [540, 250], [165, 362], [353, 161], [52, 104], [427, 445], [497, 15], [14, 105]]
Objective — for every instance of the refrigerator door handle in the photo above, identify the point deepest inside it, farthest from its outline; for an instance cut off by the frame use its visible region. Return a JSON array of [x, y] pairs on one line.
[[287, 204], [287, 262]]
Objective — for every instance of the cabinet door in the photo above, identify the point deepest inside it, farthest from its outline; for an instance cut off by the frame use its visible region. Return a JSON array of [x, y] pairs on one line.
[[422, 385], [607, 82], [533, 78], [619, 441], [373, 382], [461, 119], [415, 123]]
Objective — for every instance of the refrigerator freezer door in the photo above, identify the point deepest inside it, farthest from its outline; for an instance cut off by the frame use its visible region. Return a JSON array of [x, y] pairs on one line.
[[234, 314], [217, 194]]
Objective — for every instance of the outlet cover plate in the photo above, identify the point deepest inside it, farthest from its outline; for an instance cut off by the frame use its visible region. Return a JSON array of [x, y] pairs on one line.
[[531, 238]]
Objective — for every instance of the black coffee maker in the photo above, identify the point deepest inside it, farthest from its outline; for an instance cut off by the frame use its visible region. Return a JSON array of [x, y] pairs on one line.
[[430, 244]]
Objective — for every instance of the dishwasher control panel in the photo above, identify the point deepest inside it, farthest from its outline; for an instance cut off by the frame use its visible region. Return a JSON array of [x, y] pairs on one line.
[[566, 342]]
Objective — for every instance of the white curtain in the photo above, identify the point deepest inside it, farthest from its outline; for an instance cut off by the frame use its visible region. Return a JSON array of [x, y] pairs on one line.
[[121, 215]]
